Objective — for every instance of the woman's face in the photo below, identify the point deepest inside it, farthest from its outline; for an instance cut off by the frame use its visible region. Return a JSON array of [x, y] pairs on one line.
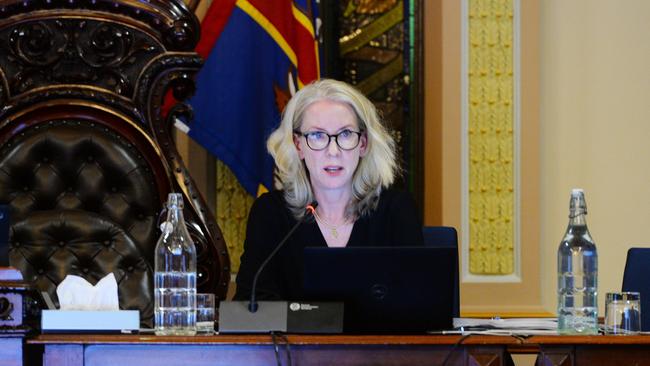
[[333, 167]]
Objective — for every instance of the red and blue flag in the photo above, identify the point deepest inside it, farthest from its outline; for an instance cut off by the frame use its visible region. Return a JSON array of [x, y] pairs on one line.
[[257, 52]]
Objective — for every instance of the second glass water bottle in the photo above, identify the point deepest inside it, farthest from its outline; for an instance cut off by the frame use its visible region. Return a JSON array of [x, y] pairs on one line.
[[577, 273]]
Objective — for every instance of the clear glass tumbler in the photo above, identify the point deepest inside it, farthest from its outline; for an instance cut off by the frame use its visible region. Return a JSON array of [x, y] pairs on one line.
[[205, 314], [623, 313]]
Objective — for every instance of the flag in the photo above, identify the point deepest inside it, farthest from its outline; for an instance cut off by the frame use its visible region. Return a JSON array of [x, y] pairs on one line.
[[257, 52]]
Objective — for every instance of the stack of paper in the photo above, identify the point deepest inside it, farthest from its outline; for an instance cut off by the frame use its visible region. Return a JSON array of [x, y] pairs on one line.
[[516, 326]]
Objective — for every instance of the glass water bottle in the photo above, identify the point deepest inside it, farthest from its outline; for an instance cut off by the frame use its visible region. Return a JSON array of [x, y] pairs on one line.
[[577, 258], [175, 274]]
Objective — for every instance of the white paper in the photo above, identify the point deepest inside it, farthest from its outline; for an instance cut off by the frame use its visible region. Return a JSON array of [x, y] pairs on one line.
[[509, 323], [75, 293]]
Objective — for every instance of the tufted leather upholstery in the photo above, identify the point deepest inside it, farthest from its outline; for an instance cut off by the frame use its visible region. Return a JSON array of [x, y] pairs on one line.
[[48, 245], [83, 202], [75, 166], [87, 156]]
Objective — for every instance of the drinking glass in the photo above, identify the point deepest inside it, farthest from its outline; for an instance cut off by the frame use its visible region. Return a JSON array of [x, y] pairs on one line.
[[623, 313], [204, 314]]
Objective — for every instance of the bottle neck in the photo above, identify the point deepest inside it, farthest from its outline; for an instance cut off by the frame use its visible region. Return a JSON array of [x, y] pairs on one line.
[[578, 218], [577, 209], [174, 215], [174, 208]]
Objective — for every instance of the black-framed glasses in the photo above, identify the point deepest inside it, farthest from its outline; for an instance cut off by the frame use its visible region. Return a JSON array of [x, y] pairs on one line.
[[319, 140]]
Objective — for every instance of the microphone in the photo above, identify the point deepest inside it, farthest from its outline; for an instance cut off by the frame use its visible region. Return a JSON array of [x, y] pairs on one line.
[[280, 316], [309, 211]]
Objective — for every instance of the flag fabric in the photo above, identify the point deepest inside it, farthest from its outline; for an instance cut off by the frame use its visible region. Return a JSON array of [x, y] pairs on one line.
[[257, 52]]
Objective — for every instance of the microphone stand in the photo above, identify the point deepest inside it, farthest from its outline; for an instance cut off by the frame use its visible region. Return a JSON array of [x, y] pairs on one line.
[[252, 306], [267, 316]]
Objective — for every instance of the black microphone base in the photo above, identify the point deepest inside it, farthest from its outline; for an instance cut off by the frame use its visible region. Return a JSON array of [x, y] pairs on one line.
[[281, 316]]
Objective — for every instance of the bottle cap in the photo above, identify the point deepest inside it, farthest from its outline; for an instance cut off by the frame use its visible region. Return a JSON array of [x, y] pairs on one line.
[[577, 204], [175, 200]]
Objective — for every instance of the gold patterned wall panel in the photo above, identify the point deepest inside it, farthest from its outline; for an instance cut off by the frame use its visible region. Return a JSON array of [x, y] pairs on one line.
[[233, 204], [490, 137]]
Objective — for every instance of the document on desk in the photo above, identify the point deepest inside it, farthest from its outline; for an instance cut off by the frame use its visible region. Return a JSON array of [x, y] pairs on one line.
[[510, 326]]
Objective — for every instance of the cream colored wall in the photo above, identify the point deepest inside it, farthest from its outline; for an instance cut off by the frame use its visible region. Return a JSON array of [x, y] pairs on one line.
[[595, 126], [442, 115], [594, 120]]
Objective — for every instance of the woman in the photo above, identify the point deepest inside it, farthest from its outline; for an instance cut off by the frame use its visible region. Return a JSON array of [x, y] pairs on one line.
[[330, 148]]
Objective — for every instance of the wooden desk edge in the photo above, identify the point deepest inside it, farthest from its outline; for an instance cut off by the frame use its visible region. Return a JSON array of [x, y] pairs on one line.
[[293, 339], [514, 344], [590, 340]]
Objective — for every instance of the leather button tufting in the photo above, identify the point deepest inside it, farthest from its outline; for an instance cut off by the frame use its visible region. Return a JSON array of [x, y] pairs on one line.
[[40, 271], [90, 159], [62, 244], [85, 270], [130, 268], [107, 243]]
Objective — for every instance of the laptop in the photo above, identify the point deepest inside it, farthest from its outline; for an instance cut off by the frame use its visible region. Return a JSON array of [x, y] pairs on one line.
[[385, 289]]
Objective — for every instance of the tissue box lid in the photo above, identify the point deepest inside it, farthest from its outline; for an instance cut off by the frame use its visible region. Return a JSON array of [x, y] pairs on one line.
[[88, 321]]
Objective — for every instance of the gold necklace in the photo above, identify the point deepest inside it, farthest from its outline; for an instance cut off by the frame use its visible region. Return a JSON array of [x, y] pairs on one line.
[[333, 229]]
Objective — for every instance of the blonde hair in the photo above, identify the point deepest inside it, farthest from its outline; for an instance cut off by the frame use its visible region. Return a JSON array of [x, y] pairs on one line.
[[376, 170]]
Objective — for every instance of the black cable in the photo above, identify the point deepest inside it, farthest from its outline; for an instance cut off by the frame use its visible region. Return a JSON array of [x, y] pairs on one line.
[[520, 338], [287, 347], [454, 347], [276, 349]]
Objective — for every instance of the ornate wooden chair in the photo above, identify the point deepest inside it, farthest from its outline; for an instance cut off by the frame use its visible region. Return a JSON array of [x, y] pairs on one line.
[[87, 156]]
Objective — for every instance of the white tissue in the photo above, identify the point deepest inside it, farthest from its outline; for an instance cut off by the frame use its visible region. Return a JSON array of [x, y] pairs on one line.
[[75, 293]]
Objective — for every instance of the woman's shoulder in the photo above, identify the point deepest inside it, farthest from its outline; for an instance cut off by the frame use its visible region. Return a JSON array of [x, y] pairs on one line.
[[270, 209], [392, 197], [274, 196], [395, 221], [270, 201]]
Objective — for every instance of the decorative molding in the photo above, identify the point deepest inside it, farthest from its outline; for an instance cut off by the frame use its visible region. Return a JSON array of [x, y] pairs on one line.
[[490, 134], [75, 51], [555, 357], [168, 20], [483, 359]]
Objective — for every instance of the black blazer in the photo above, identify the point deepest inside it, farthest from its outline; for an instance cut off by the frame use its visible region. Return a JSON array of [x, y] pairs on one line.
[[394, 223]]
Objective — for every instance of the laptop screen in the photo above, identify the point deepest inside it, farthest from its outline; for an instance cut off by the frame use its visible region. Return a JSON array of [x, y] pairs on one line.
[[385, 289]]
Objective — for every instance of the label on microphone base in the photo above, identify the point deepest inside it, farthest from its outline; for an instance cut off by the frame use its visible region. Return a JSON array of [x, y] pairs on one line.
[[281, 316], [315, 317]]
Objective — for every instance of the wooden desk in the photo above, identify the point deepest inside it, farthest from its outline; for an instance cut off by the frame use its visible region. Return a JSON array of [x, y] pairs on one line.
[[339, 350], [100, 350], [588, 350]]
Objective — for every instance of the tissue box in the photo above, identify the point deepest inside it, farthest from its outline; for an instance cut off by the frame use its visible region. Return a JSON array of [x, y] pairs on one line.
[[89, 321]]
